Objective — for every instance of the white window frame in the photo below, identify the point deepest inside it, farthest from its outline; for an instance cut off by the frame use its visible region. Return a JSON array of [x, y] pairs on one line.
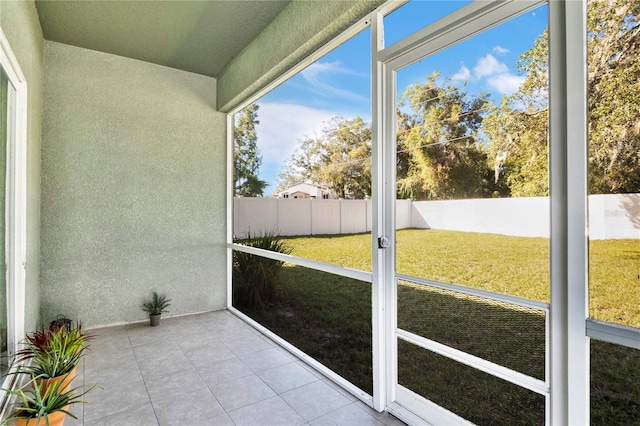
[[569, 325], [364, 276], [15, 210]]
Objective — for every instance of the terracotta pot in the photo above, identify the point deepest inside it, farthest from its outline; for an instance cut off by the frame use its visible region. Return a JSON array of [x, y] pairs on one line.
[[154, 319], [65, 380], [55, 419]]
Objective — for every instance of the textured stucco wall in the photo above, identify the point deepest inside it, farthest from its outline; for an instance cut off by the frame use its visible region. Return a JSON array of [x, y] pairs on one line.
[[20, 24], [133, 188], [302, 28]]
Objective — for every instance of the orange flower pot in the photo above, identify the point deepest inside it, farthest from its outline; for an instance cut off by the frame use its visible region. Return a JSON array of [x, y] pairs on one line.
[[55, 419], [64, 380]]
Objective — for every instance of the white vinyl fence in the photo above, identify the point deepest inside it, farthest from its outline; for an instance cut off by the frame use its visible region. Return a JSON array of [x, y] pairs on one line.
[[610, 216]]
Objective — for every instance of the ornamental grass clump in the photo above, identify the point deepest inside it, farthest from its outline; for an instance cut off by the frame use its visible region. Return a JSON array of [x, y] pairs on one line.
[[256, 279], [53, 352], [37, 404]]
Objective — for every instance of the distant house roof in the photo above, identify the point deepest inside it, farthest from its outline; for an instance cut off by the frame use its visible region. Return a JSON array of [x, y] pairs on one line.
[[305, 190]]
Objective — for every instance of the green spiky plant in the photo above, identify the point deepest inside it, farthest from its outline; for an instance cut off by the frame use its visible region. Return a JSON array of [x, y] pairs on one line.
[[53, 352], [157, 305], [256, 279], [34, 401]]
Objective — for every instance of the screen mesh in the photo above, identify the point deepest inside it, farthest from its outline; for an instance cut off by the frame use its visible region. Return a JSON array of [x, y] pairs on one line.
[[326, 316], [615, 384], [478, 397], [506, 334]]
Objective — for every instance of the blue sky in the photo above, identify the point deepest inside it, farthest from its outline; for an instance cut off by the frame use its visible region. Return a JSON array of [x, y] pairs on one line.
[[339, 83]]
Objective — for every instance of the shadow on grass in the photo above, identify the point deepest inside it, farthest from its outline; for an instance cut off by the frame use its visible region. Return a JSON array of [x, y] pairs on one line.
[[476, 396], [615, 384], [326, 316], [329, 318]]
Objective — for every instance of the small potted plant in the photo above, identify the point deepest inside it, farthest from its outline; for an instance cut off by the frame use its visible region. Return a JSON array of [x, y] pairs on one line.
[[155, 307], [39, 406]]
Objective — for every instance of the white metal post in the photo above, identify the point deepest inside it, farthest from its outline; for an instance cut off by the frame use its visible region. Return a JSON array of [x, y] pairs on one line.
[[569, 362], [378, 216], [230, 185]]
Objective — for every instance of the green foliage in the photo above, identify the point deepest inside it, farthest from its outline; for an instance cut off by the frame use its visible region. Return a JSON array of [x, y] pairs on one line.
[[440, 155], [246, 155], [517, 129], [339, 158], [454, 145], [157, 305], [37, 402], [613, 43], [54, 352], [256, 279]]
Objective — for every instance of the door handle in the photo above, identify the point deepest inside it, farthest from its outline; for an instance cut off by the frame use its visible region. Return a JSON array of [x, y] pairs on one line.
[[383, 242]]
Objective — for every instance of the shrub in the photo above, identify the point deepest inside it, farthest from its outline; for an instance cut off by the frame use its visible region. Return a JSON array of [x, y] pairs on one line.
[[256, 279], [157, 304], [53, 352]]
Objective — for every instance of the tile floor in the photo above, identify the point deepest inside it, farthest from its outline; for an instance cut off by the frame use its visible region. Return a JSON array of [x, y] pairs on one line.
[[207, 369]]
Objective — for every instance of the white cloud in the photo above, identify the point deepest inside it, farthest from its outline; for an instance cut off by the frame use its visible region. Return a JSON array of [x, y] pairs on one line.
[[463, 74], [488, 66], [317, 74], [499, 50], [282, 125], [507, 84]]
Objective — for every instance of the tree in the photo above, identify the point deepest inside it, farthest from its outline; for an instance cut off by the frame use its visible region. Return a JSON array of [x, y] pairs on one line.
[[613, 48], [517, 129], [439, 155], [246, 155], [303, 165], [339, 158]]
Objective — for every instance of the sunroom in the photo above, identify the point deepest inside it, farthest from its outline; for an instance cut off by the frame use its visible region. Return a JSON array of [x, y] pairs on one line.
[[479, 262]]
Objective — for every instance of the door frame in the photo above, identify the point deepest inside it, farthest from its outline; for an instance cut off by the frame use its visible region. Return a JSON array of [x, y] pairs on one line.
[[459, 25], [15, 203]]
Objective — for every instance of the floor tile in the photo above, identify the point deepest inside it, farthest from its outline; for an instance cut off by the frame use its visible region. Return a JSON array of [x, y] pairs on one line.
[[265, 360], [114, 399], [140, 416], [208, 354], [188, 343], [168, 386], [351, 415], [383, 417], [94, 359], [78, 411], [154, 349], [272, 411], [193, 408], [287, 377], [211, 369], [223, 371], [315, 400], [342, 391], [140, 334], [248, 345], [125, 372], [233, 333], [221, 420], [162, 363], [222, 320], [241, 392]]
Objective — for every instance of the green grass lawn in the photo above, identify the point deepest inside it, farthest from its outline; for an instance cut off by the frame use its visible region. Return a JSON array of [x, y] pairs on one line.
[[517, 266], [329, 318]]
